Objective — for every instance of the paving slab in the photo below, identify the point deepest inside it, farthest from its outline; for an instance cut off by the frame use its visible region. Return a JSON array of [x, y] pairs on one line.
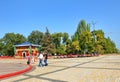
[[11, 69], [105, 68]]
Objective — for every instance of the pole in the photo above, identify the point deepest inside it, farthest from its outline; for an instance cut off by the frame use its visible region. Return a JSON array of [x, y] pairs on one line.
[[30, 50], [93, 23]]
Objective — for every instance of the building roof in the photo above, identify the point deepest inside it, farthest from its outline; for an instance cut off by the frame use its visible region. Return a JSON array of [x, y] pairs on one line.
[[26, 44]]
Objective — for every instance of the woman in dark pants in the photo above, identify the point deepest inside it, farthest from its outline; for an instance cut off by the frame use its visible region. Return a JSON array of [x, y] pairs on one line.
[[28, 61], [45, 59]]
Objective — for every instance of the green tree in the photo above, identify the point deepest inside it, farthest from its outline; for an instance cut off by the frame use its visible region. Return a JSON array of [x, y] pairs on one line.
[[99, 49], [1, 46], [9, 40], [75, 37], [85, 41], [109, 46], [65, 37], [61, 50], [68, 46], [75, 47], [35, 37], [47, 44], [82, 27], [83, 36], [57, 39], [98, 41], [19, 38]]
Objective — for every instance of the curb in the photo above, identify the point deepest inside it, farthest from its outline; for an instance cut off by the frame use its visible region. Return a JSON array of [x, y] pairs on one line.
[[16, 73]]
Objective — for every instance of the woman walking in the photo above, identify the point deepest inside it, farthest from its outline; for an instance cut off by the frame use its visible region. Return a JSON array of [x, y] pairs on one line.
[[45, 59]]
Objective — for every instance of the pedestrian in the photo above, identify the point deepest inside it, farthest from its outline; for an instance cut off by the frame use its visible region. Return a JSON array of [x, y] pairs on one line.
[[28, 61], [33, 59], [45, 59], [40, 59]]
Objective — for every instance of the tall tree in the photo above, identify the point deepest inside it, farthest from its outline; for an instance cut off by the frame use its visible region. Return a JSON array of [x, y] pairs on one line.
[[47, 43], [35, 37], [85, 41], [65, 37], [82, 35], [82, 26], [75, 37], [98, 40], [57, 39]]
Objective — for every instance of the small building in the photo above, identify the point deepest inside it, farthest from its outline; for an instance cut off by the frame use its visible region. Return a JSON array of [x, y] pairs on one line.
[[26, 49]]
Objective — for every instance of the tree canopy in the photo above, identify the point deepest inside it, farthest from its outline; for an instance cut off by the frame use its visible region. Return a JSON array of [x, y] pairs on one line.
[[8, 41], [83, 41]]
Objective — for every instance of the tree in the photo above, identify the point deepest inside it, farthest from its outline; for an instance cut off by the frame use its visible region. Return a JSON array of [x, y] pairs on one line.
[[65, 37], [75, 47], [9, 40], [82, 35], [85, 41], [1, 46], [68, 46], [47, 44], [98, 41], [99, 49], [75, 37], [57, 39], [19, 38], [35, 37], [82, 41], [109, 46], [82, 27], [61, 50]]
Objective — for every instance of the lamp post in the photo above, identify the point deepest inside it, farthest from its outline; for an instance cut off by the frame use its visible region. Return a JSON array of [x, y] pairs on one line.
[[30, 50], [93, 23]]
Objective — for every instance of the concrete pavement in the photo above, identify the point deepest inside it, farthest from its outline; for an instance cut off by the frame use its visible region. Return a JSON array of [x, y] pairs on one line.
[[86, 69]]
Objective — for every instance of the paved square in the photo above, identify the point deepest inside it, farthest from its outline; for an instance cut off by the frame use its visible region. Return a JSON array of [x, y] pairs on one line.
[[87, 69]]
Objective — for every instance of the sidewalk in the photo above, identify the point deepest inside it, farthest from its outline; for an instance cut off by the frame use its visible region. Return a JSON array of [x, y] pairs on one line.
[[104, 68], [12, 69]]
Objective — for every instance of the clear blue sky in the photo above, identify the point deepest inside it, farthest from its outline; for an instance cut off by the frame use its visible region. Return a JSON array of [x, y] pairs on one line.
[[24, 16]]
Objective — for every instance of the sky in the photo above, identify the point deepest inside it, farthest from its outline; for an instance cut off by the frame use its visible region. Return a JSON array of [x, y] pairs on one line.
[[25, 16]]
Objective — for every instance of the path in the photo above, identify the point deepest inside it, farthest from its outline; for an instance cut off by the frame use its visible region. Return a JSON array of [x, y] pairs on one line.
[[87, 69]]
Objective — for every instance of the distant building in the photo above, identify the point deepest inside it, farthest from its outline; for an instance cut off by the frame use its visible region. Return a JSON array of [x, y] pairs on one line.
[[26, 49]]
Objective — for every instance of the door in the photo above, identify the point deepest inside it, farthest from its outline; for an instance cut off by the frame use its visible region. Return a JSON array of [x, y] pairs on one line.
[[24, 54]]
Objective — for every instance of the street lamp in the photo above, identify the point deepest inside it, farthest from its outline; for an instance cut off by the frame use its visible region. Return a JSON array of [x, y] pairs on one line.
[[93, 23]]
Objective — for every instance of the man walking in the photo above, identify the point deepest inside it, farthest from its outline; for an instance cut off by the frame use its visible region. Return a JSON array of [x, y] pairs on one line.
[[40, 59]]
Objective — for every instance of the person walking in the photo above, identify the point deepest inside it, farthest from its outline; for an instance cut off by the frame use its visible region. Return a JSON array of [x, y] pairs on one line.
[[45, 59], [40, 59], [28, 61]]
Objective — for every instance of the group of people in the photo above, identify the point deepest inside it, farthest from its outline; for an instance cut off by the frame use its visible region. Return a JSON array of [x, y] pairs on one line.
[[42, 58]]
